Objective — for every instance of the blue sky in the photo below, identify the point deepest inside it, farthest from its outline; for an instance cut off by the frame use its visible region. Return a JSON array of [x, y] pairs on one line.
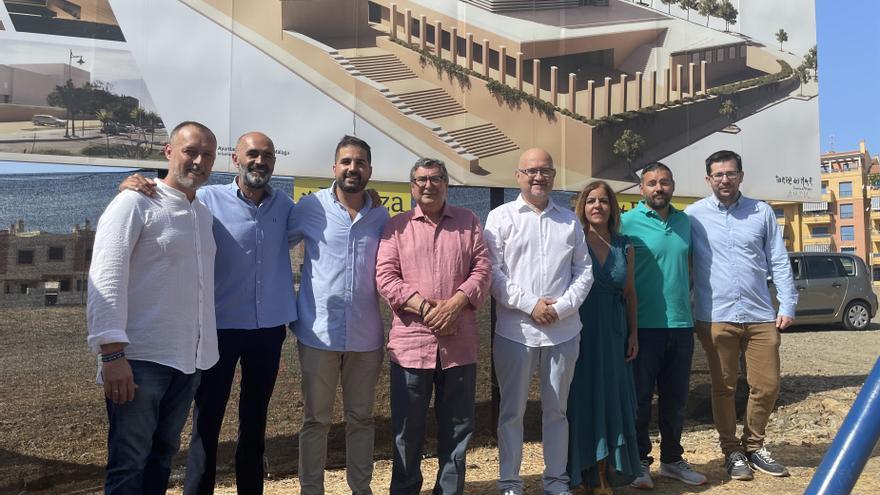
[[849, 73]]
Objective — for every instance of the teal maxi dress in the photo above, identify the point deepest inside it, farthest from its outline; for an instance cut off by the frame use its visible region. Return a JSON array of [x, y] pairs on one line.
[[602, 400]]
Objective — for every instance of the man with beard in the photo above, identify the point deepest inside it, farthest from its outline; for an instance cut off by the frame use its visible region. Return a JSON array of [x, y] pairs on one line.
[[151, 313], [661, 236], [254, 301], [541, 273], [339, 332]]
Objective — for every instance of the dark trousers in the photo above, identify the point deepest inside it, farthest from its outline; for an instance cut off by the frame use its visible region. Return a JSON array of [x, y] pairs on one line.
[[411, 391], [664, 362], [260, 353], [144, 433]]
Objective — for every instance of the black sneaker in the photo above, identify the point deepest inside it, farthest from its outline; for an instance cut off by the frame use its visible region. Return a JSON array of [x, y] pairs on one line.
[[761, 460], [738, 467]]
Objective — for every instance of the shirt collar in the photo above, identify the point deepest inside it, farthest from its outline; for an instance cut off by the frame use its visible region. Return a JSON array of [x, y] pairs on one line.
[[418, 213], [651, 213], [368, 201], [718, 204], [521, 203], [234, 187], [171, 191]]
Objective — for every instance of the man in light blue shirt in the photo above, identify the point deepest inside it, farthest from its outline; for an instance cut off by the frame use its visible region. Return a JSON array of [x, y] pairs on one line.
[[339, 332], [736, 245], [254, 301]]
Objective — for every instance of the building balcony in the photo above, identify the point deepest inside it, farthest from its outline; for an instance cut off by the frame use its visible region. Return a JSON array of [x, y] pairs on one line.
[[818, 218], [819, 245], [875, 214]]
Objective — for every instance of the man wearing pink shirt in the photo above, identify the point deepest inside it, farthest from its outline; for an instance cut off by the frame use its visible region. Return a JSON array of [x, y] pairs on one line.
[[433, 269]]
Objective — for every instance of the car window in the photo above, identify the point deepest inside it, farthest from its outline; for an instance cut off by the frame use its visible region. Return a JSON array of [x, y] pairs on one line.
[[824, 267], [849, 266], [796, 270]]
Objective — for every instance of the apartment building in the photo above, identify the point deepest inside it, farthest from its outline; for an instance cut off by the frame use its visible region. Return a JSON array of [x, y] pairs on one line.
[[847, 218]]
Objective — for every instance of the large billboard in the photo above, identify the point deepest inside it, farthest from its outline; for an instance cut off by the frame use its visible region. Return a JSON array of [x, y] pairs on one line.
[[604, 85]]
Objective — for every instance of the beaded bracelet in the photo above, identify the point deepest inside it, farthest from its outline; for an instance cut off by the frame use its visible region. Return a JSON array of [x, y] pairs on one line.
[[113, 356], [422, 308]]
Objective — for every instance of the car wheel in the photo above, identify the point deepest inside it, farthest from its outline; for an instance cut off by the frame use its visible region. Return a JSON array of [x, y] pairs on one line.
[[857, 316]]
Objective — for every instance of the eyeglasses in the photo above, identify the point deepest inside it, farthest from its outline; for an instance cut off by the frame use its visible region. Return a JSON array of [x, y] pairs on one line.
[[719, 176], [423, 180], [532, 172]]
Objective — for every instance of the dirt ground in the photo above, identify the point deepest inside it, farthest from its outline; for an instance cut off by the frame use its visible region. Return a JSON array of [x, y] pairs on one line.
[[53, 423]]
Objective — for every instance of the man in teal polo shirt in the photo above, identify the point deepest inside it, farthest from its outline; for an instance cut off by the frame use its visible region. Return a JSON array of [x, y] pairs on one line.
[[662, 240]]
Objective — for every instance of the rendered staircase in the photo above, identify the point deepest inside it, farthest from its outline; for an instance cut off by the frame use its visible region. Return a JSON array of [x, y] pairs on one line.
[[514, 5], [432, 103], [382, 68], [483, 140]]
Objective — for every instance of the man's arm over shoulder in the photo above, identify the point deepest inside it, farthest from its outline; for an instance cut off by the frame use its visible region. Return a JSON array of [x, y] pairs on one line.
[[506, 292], [118, 230]]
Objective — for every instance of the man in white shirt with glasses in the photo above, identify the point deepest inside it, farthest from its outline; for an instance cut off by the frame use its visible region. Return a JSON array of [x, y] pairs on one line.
[[541, 273]]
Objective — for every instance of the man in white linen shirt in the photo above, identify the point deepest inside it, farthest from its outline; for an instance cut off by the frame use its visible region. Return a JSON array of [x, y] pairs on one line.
[[541, 273], [151, 313]]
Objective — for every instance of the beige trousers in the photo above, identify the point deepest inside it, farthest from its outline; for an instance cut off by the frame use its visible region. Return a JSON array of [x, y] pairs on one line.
[[723, 343], [321, 373]]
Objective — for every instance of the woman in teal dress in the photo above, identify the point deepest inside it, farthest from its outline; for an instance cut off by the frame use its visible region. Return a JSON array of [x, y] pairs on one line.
[[602, 449]]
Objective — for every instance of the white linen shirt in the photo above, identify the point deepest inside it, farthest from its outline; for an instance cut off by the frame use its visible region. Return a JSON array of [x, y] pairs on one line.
[[151, 282], [534, 255]]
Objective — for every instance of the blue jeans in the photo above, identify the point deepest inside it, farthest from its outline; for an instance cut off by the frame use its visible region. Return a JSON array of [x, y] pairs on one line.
[[144, 434], [664, 362]]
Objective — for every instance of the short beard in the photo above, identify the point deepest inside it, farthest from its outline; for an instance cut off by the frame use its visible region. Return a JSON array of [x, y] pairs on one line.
[[189, 182], [656, 204], [360, 186], [255, 181]]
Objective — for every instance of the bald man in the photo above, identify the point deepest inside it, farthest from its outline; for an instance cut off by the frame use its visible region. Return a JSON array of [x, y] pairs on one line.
[[541, 273], [253, 291]]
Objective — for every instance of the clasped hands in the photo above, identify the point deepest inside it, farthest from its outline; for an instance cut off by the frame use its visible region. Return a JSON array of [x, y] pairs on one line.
[[440, 315], [543, 312]]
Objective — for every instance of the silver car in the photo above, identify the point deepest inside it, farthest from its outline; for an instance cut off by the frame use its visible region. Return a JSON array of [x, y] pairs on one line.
[[833, 288]]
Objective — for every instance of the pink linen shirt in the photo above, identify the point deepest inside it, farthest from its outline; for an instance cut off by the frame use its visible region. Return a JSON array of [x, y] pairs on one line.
[[435, 261]]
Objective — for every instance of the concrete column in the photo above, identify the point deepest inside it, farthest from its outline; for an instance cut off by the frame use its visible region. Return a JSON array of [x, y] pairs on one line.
[[423, 32], [438, 39], [667, 84], [591, 99], [679, 80], [408, 28], [502, 64], [519, 70], [393, 21], [453, 44], [607, 106], [653, 87], [702, 76], [536, 77], [486, 57], [469, 50], [639, 88], [554, 85], [691, 88], [572, 91]]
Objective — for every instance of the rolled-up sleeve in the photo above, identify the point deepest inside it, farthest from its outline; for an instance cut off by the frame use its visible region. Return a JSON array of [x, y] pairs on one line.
[[117, 233]]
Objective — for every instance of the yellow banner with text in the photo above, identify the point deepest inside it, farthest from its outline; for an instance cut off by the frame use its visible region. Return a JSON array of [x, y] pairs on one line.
[[395, 196]]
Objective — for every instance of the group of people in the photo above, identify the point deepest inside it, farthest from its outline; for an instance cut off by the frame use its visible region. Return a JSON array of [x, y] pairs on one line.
[[189, 282]]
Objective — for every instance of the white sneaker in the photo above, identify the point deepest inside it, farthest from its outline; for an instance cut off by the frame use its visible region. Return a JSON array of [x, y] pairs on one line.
[[644, 481], [682, 471]]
